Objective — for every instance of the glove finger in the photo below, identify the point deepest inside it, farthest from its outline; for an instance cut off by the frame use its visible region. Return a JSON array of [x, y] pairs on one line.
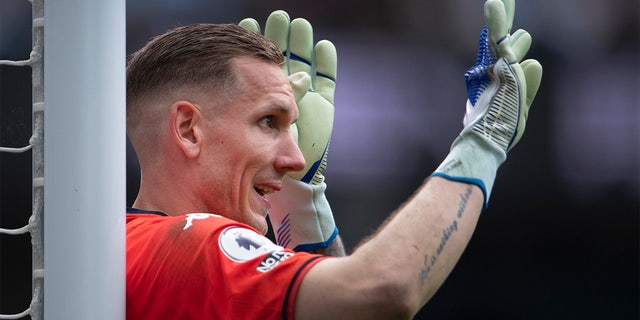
[[532, 70], [301, 46], [520, 44], [250, 24], [314, 124], [497, 22], [276, 29], [531, 74], [509, 9], [326, 69], [300, 83]]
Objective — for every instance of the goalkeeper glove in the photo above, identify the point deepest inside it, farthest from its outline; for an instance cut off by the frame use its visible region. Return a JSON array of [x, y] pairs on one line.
[[300, 213], [500, 92]]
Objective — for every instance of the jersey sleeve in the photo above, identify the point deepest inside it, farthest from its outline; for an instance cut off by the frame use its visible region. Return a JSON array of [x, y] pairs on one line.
[[211, 267]]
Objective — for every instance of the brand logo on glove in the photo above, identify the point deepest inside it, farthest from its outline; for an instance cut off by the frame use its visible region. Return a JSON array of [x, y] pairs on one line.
[[451, 165]]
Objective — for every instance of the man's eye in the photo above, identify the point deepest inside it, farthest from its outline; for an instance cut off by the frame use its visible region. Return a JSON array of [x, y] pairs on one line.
[[267, 121]]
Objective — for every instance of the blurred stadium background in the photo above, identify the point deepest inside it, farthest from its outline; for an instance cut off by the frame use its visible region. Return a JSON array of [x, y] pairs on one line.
[[560, 237]]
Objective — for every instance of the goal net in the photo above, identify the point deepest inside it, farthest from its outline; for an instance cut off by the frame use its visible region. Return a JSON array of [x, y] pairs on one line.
[[77, 225]]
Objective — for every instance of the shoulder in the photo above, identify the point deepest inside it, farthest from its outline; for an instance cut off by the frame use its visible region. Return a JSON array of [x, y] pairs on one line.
[[189, 227], [191, 221]]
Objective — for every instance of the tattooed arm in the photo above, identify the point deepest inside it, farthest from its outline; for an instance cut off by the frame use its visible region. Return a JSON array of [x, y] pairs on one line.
[[395, 272]]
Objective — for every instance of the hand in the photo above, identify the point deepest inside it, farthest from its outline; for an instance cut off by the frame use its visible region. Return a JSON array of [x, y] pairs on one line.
[[300, 214], [499, 76], [500, 92], [312, 72]]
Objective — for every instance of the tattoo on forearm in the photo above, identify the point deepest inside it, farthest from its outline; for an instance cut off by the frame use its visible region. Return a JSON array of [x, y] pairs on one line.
[[430, 260]]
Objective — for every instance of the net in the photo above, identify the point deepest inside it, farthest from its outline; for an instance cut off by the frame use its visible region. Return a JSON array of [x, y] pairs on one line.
[[78, 252], [34, 225]]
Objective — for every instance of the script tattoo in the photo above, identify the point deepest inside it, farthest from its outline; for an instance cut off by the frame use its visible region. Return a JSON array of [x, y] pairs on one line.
[[430, 260]]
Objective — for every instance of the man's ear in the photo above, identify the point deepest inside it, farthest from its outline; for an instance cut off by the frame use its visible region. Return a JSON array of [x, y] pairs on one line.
[[185, 126]]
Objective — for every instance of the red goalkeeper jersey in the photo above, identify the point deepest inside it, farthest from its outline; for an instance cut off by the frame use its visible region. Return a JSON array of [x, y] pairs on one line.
[[205, 266]]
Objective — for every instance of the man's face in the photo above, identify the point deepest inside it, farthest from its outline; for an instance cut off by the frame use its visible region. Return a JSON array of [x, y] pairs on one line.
[[249, 146]]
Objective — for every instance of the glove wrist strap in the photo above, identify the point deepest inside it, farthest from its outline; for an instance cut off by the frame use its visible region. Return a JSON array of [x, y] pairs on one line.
[[301, 216], [473, 160]]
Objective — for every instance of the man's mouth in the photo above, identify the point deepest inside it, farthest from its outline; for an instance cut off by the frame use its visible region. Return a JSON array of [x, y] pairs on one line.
[[263, 190]]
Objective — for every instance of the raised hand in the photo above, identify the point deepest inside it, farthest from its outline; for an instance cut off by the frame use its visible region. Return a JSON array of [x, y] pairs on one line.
[[499, 81], [300, 213], [312, 70], [500, 92]]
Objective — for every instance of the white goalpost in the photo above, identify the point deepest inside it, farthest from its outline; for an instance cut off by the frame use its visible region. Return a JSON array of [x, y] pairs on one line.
[[78, 149], [84, 155]]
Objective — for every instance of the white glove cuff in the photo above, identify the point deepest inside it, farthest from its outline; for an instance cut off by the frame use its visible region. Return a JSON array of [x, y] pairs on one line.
[[473, 160], [301, 217]]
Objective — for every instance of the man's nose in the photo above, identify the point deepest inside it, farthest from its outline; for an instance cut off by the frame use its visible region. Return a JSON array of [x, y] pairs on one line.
[[290, 158]]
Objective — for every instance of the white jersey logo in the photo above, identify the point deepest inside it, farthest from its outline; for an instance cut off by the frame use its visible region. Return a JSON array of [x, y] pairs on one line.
[[196, 216]]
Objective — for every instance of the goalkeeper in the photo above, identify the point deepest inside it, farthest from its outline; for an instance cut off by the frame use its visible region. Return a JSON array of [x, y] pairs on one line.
[[225, 137]]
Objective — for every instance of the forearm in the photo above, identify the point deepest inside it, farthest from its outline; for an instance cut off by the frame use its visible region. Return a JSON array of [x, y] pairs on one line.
[[427, 235], [399, 269]]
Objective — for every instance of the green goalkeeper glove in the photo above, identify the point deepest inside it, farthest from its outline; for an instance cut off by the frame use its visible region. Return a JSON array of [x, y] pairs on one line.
[[500, 92], [300, 213]]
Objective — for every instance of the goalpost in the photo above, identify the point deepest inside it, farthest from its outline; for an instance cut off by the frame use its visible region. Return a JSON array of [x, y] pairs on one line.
[[78, 148], [84, 148]]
